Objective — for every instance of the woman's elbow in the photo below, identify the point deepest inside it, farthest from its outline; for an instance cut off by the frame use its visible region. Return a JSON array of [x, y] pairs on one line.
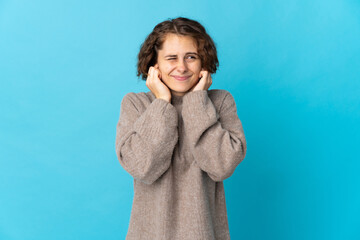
[[150, 175], [228, 167], [146, 169]]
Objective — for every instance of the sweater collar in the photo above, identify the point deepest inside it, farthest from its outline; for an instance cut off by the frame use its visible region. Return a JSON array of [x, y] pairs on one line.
[[176, 99]]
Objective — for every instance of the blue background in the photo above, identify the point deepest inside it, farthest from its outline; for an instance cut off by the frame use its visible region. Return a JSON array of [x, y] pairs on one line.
[[293, 68]]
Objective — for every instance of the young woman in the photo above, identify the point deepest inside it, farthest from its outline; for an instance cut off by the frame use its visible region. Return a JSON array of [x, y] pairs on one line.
[[179, 140]]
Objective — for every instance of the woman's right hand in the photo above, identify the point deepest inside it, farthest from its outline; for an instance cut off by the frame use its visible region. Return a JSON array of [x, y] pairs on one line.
[[156, 86]]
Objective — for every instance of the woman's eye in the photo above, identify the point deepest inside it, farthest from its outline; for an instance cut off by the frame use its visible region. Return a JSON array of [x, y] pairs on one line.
[[188, 57]]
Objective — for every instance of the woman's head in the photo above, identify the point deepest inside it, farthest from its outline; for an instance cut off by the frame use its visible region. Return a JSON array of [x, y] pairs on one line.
[[185, 32]]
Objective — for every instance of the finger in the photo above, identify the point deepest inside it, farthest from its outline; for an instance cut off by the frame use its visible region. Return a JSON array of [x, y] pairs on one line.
[[208, 76], [150, 76], [151, 72], [200, 75], [204, 74], [156, 73]]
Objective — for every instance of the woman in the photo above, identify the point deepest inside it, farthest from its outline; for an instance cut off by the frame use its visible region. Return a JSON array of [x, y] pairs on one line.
[[179, 140]]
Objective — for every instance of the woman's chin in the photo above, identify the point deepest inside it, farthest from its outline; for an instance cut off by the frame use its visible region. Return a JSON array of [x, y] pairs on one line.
[[179, 91]]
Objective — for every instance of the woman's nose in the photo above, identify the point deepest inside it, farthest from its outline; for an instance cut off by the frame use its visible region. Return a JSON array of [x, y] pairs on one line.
[[181, 66]]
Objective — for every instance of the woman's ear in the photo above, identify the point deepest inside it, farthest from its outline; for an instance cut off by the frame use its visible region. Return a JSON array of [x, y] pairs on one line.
[[156, 66]]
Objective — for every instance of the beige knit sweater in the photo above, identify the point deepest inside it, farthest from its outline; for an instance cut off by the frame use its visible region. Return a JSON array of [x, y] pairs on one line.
[[178, 154]]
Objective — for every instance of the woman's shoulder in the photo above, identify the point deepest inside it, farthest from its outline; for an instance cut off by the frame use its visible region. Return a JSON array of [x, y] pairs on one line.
[[218, 93], [139, 99], [217, 96]]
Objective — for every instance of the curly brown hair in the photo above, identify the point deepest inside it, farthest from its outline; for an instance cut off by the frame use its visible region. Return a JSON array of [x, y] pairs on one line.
[[148, 54]]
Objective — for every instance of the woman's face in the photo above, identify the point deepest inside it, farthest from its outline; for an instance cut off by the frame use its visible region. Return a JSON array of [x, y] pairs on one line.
[[179, 63]]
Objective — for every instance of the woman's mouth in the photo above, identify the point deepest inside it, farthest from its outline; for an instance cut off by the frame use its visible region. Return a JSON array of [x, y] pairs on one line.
[[181, 78]]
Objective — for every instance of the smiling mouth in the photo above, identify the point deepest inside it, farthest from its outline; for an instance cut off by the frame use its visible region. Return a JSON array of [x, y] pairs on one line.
[[181, 78]]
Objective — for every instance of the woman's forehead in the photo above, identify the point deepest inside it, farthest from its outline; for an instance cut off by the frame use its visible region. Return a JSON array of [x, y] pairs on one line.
[[174, 43]]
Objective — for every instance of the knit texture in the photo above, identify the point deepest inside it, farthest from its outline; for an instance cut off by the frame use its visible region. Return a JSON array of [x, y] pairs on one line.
[[179, 153]]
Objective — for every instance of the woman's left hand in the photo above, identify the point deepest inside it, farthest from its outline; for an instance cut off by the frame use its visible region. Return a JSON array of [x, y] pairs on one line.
[[204, 83]]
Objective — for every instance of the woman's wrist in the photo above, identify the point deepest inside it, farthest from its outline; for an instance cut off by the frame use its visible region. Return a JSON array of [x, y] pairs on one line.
[[165, 98]]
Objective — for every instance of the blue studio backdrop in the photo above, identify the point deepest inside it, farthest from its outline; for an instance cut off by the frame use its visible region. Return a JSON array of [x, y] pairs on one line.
[[293, 68]]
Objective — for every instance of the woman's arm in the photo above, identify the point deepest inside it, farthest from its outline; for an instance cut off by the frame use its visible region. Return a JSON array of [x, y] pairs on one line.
[[145, 141], [217, 139]]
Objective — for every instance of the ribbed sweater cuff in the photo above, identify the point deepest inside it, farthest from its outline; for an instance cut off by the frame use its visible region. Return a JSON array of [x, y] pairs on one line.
[[198, 113], [198, 105], [160, 118]]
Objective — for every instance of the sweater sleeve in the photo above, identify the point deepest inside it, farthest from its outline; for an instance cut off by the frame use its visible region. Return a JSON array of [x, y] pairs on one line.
[[217, 139], [145, 140]]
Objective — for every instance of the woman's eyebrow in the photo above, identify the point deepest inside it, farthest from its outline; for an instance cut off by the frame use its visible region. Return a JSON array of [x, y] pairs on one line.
[[185, 54]]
